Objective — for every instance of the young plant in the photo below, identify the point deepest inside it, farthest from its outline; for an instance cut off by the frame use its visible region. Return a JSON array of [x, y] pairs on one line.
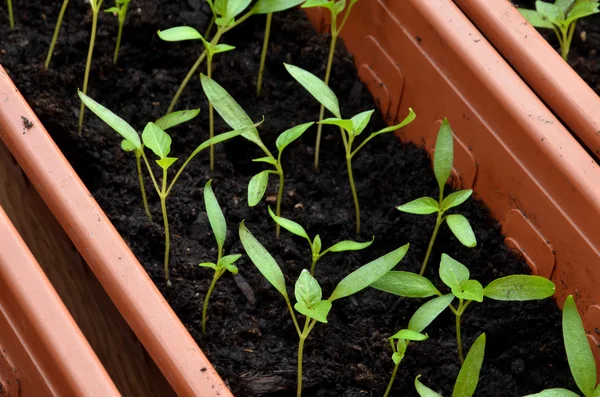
[[120, 10], [315, 244], [442, 166], [349, 128], [561, 17], [56, 31], [11, 17], [417, 323], [456, 276], [226, 14], [579, 354], [335, 7], [468, 376], [234, 115], [224, 263], [307, 289]]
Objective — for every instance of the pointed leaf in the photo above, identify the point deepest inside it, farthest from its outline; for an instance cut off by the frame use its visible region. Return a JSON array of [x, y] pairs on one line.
[[316, 245], [423, 390], [289, 225], [231, 268], [235, 7], [408, 334], [536, 19], [409, 285], [360, 121], [268, 160], [215, 215], [564, 5], [345, 124], [208, 264], [112, 10], [368, 274], [420, 206], [397, 357], [519, 288], [456, 198], [172, 119], [219, 48], [127, 146], [319, 312], [307, 290], [461, 228], [157, 140], [318, 3], [257, 187], [263, 261], [229, 260], [444, 154], [270, 6], [180, 33], [166, 162], [468, 377], [428, 312], [551, 11], [348, 245], [316, 87], [407, 120], [452, 272], [554, 393], [218, 139], [470, 290], [338, 6], [582, 10], [289, 136]]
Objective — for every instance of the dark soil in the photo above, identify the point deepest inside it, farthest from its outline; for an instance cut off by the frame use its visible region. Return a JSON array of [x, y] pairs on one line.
[[251, 340]]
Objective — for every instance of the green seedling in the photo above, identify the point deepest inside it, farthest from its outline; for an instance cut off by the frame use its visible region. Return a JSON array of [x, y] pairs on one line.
[[456, 276], [442, 167], [307, 290], [11, 16], [417, 323], [224, 263], [335, 7], [315, 244], [120, 10], [349, 128], [579, 355], [234, 115], [468, 376], [56, 31], [226, 14], [561, 17]]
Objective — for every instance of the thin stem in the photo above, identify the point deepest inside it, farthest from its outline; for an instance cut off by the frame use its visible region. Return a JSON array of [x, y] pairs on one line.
[[438, 222], [119, 35], [313, 265], [142, 187], [211, 119], [163, 207], [263, 55], [300, 356], [207, 297], [11, 16], [88, 63], [567, 42], [289, 305], [353, 187], [279, 197], [392, 379], [186, 80], [151, 173], [210, 25], [56, 30], [461, 357], [322, 111]]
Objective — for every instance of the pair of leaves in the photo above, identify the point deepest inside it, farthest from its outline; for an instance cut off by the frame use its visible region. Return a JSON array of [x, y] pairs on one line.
[[120, 9], [309, 298], [427, 205], [561, 14], [226, 262], [182, 33]]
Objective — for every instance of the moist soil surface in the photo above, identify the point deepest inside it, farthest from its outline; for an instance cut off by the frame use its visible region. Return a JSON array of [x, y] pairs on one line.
[[251, 340]]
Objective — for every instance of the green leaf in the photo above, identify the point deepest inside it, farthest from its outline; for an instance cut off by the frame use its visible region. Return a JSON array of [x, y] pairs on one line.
[[338, 6], [536, 19], [551, 11], [316, 245], [397, 357], [219, 48], [229, 260], [270, 6], [289, 225], [456, 199], [407, 120], [368, 274], [452, 272], [257, 187], [318, 3], [112, 10], [290, 135], [468, 377], [215, 215], [319, 312], [157, 140], [316, 87], [180, 33], [166, 162], [428, 312], [360, 121], [113, 121], [218, 139], [235, 7], [307, 290], [420, 206], [345, 124], [349, 245], [579, 353], [208, 264], [423, 390], [554, 393], [172, 119], [409, 285], [564, 5], [519, 288], [444, 154], [268, 160], [127, 146], [408, 334], [582, 10], [461, 228], [263, 261], [470, 290]]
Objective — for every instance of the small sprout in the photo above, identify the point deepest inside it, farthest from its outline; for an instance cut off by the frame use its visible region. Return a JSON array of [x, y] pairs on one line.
[[456, 276], [562, 16], [468, 377], [349, 128], [307, 290], [224, 263], [579, 354], [315, 244], [442, 166], [120, 10], [11, 17]]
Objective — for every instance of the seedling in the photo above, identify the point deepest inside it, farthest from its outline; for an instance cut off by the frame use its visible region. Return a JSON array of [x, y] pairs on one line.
[[561, 17], [56, 31], [335, 8], [579, 355], [442, 166], [349, 128], [468, 376], [11, 17], [456, 276], [226, 14], [315, 244], [224, 263], [120, 10], [307, 290], [234, 115], [418, 322]]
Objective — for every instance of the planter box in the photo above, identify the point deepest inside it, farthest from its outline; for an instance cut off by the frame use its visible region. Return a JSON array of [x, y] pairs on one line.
[[534, 176]]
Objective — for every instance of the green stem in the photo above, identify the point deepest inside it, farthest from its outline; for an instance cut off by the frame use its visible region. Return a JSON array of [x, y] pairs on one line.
[[289, 305], [392, 379], [458, 336], [263, 55], [88, 63], [566, 47], [313, 265], [56, 30], [303, 337], [438, 222], [11, 16], [207, 297], [210, 25], [354, 194], [186, 80], [279, 198], [118, 47], [322, 111], [143, 189], [211, 120], [163, 208]]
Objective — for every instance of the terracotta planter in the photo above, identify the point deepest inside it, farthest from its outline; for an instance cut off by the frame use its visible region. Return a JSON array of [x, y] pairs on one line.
[[534, 176]]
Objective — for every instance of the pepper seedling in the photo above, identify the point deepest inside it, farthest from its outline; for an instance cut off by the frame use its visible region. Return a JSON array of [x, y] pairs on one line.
[[417, 323], [468, 376], [234, 115], [307, 290], [561, 17], [315, 244], [349, 128], [335, 9], [219, 228], [120, 10], [11, 17], [442, 167], [456, 276], [579, 355]]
